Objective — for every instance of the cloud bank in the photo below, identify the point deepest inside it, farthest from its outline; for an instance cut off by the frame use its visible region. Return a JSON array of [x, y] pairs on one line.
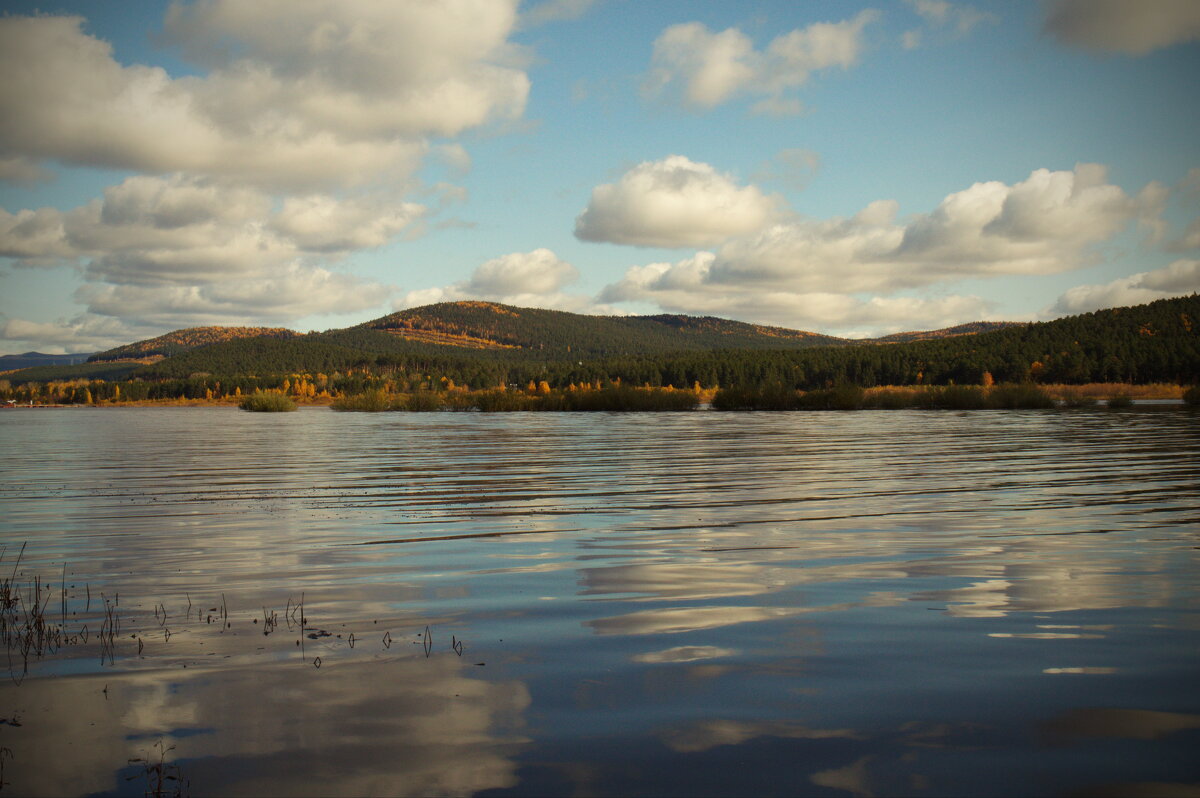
[[298, 95], [293, 148], [852, 273]]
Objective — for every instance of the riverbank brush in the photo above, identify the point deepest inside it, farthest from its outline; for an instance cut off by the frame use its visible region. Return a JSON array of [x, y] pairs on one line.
[[851, 397], [613, 399]]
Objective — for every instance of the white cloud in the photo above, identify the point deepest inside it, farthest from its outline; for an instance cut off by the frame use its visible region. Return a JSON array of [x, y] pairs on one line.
[[525, 279], [178, 228], [306, 95], [686, 286], [704, 69], [86, 332], [34, 236], [848, 273], [321, 223], [674, 202], [279, 296], [180, 250], [536, 272], [1181, 278], [1120, 26]]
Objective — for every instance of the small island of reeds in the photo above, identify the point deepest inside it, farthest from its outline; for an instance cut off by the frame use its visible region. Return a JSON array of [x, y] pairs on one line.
[[269, 402]]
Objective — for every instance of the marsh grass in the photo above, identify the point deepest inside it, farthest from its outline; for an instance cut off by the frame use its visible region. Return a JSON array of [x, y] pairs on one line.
[[1075, 398], [1024, 396], [851, 397], [369, 402], [259, 402], [616, 398], [764, 397]]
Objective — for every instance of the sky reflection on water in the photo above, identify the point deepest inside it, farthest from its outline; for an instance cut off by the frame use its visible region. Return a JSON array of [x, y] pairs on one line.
[[827, 604]]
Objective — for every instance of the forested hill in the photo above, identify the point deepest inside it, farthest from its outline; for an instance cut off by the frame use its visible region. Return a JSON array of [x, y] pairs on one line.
[[179, 341], [489, 325], [482, 344], [973, 328]]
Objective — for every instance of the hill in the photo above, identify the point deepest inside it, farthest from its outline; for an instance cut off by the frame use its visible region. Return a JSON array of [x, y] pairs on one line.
[[485, 344], [173, 343], [973, 328], [31, 359], [489, 325]]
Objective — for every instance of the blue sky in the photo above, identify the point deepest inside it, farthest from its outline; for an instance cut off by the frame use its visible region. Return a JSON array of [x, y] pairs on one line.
[[848, 168]]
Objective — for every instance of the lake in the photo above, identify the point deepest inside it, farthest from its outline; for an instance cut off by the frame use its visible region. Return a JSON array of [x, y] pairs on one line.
[[828, 604]]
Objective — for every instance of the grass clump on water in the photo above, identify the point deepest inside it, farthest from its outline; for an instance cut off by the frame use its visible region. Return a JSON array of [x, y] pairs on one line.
[[379, 401], [259, 402], [1191, 396]]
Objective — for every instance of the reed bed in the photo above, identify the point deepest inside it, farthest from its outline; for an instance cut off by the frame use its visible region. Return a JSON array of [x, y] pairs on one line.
[[851, 397], [611, 399], [259, 402]]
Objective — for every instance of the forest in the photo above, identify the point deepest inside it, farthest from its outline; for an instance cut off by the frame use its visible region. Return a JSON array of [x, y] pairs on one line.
[[1153, 343]]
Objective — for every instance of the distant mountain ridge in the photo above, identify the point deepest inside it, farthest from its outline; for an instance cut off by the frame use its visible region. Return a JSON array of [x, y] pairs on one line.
[[29, 359]]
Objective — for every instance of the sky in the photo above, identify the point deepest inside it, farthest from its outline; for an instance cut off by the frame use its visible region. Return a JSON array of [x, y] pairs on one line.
[[853, 169]]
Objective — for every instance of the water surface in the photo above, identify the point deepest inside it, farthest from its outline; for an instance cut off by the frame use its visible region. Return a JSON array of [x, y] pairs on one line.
[[905, 602]]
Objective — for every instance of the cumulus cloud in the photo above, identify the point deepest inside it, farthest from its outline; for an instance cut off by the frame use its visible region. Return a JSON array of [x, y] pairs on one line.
[[1181, 278], [688, 286], [1119, 26], [299, 95], [803, 272], [276, 296], [83, 333], [703, 69], [526, 279], [180, 247], [674, 202], [321, 223]]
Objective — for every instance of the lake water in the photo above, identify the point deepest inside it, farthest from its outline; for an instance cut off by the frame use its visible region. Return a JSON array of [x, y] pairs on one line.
[[840, 604]]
